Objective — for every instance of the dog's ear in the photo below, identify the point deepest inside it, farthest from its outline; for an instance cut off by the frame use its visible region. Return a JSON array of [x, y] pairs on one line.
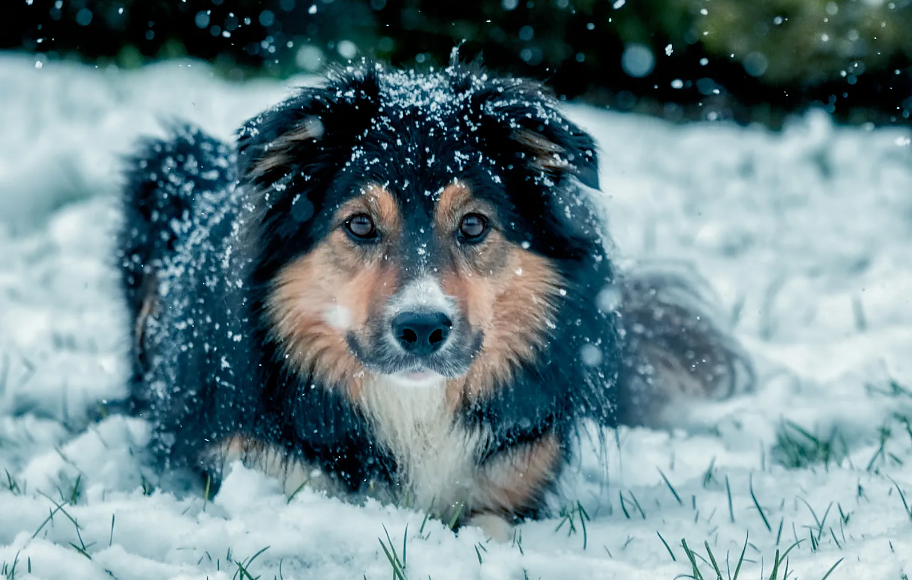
[[304, 131], [520, 123]]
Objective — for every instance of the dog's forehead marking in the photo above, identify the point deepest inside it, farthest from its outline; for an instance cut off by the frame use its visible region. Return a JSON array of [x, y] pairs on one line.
[[424, 293]]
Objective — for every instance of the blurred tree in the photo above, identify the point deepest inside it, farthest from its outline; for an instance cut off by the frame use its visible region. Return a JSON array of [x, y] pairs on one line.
[[751, 60]]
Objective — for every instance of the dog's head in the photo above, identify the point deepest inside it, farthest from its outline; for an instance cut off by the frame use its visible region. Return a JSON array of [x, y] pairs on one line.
[[419, 226]]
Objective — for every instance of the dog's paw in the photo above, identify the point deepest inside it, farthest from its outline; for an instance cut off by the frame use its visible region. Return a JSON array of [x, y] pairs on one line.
[[494, 526], [293, 474]]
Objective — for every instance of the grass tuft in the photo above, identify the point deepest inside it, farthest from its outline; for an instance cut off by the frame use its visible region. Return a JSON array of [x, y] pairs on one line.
[[798, 448], [570, 517], [13, 485], [8, 571], [780, 569], [695, 570], [479, 548], [397, 564]]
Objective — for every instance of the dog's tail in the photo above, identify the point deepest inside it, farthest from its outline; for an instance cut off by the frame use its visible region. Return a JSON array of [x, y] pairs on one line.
[[163, 178], [675, 347]]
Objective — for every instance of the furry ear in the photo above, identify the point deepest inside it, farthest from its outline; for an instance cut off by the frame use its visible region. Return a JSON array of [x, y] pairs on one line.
[[529, 128], [302, 132]]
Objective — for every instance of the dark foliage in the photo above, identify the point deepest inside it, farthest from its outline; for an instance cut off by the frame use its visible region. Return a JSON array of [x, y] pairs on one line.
[[726, 60]]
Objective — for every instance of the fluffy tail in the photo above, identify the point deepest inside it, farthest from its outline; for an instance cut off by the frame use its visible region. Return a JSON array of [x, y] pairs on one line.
[[675, 348], [164, 177]]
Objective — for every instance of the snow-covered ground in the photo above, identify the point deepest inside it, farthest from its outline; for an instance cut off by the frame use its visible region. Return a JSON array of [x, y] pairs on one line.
[[806, 235]]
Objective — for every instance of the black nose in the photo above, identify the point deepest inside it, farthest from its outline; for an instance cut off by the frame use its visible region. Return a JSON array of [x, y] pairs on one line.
[[421, 333]]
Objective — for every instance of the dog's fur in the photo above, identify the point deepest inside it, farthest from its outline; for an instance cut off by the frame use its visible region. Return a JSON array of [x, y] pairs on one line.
[[262, 322]]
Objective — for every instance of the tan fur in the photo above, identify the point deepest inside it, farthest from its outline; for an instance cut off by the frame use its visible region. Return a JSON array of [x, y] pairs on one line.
[[455, 201], [437, 461], [513, 309], [517, 480], [546, 155], [334, 275], [279, 153], [147, 309], [506, 292]]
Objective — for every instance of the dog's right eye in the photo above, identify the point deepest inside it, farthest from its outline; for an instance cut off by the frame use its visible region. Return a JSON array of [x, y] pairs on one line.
[[361, 227]]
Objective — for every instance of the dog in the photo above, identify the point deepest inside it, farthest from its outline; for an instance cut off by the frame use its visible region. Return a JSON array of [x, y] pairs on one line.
[[398, 285]]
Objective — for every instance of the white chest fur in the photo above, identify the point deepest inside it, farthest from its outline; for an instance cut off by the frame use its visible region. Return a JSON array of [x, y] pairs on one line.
[[436, 454]]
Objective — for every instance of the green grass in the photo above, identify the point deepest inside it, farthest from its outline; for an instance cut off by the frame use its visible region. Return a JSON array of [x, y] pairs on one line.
[[396, 563], [799, 448], [570, 517], [667, 547], [633, 502], [13, 485], [759, 508], [671, 487], [8, 571], [242, 572], [479, 548], [708, 568]]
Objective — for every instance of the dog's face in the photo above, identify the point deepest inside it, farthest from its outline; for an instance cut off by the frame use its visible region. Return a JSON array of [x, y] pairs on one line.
[[413, 226]]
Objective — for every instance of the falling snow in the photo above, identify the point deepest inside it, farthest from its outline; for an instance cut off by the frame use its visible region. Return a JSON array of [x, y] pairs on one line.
[[804, 235]]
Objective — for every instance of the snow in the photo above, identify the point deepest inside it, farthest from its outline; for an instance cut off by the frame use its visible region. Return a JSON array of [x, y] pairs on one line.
[[805, 235]]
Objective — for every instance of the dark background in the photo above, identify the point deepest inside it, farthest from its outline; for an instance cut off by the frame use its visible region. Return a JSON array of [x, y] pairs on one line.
[[746, 60]]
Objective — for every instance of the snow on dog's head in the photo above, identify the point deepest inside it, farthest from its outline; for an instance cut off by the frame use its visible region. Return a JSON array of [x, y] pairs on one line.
[[420, 226]]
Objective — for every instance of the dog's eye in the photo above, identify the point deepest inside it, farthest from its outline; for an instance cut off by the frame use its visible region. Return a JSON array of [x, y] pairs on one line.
[[472, 228], [361, 227]]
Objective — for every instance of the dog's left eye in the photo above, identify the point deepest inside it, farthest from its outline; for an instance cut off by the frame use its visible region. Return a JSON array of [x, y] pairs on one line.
[[473, 228], [361, 227]]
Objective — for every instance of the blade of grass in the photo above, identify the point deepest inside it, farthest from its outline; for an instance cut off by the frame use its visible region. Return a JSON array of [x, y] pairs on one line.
[[741, 559], [830, 571], [712, 559], [671, 487], [584, 517], [757, 503], [775, 574], [624, 505], [697, 575], [667, 547]]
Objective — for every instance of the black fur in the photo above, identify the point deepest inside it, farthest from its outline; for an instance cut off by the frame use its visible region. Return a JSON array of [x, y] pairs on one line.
[[208, 227]]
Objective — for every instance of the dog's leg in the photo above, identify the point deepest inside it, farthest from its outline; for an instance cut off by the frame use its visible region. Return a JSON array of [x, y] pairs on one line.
[[293, 474], [493, 525], [513, 485]]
